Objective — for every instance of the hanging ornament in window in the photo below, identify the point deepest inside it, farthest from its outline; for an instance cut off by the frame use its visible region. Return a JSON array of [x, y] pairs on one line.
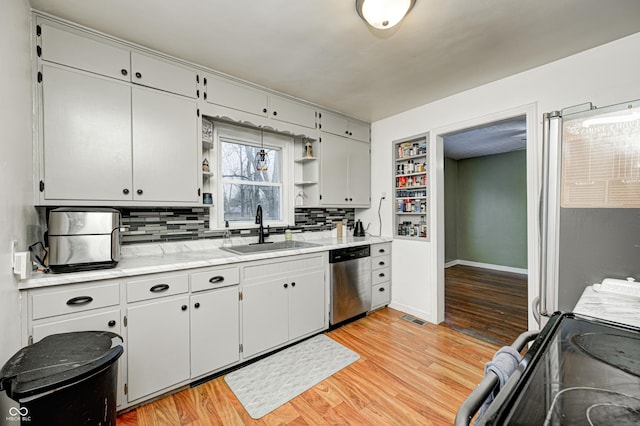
[[261, 162]]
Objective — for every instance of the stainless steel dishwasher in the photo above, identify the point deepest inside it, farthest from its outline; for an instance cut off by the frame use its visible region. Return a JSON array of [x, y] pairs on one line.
[[350, 282]]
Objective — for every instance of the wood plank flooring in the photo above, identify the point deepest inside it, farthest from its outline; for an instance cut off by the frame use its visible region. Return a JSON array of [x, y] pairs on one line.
[[406, 375], [490, 305]]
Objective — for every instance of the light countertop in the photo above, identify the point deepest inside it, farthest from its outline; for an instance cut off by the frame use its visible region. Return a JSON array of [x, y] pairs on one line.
[[611, 307], [140, 259]]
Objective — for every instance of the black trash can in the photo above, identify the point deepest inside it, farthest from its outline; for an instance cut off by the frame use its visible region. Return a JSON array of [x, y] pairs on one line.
[[65, 379]]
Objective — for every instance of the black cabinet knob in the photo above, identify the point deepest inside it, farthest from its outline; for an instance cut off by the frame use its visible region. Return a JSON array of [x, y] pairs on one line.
[[346, 132], [350, 199], [111, 323], [264, 110], [275, 112], [139, 191], [350, 134], [124, 71], [184, 307], [125, 191], [380, 263], [286, 285], [381, 274], [381, 289], [293, 284], [138, 75], [381, 251], [346, 199], [197, 305]]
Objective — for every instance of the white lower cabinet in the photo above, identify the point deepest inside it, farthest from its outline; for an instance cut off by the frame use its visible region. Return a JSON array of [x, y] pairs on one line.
[[215, 330], [285, 306], [158, 344]]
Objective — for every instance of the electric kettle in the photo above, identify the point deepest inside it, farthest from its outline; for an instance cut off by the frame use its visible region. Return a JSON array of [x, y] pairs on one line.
[[358, 229]]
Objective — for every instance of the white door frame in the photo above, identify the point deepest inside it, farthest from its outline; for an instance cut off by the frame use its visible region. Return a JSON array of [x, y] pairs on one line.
[[533, 190]]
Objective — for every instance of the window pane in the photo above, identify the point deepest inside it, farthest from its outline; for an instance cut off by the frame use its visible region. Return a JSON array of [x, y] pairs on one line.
[[237, 162], [241, 202]]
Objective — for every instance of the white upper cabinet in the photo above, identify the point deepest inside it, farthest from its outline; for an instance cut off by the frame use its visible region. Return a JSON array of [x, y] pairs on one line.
[[236, 96], [342, 126], [66, 48], [345, 173], [151, 72], [165, 147], [282, 109], [86, 136]]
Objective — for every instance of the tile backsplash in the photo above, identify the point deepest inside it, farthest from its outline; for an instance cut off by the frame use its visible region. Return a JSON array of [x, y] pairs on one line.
[[174, 224]]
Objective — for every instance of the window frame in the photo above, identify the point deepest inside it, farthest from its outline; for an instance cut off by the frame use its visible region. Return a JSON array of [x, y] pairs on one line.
[[252, 137]]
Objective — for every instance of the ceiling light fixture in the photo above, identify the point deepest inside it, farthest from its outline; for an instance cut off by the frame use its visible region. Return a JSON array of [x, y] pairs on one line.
[[383, 14]]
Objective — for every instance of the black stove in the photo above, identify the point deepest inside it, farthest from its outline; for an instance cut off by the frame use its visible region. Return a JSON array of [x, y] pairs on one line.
[[579, 371]]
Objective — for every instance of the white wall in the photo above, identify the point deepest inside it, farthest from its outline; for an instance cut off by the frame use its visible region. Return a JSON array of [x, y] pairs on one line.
[[604, 75], [16, 200]]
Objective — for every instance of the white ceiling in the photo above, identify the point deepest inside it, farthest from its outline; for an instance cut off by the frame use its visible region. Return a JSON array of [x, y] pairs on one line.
[[321, 51], [494, 138]]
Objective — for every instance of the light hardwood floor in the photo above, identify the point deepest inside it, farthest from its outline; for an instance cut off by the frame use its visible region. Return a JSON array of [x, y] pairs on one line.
[[406, 375]]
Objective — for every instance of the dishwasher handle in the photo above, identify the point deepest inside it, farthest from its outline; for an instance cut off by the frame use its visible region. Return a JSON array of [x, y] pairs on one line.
[[476, 398]]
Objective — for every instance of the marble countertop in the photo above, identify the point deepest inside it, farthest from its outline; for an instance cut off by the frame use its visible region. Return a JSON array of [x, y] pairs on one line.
[[611, 307], [140, 259]]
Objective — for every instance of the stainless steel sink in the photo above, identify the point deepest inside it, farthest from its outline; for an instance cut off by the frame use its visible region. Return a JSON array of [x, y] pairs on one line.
[[259, 248]]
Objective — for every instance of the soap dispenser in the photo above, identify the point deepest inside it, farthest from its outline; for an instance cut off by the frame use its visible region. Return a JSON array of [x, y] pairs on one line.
[[226, 238]]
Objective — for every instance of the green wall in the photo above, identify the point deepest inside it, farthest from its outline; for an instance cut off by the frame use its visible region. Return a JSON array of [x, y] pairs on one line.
[[450, 209], [490, 209]]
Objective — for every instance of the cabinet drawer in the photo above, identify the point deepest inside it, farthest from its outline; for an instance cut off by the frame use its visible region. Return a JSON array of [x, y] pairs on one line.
[[80, 298], [157, 286], [381, 295], [380, 249], [381, 275], [105, 321], [381, 262], [214, 278]]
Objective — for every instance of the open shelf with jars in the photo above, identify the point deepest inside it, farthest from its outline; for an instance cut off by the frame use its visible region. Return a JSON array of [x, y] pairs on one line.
[[411, 196], [306, 172]]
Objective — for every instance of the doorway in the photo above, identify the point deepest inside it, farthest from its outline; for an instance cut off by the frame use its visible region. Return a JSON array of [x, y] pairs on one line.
[[485, 193], [480, 147]]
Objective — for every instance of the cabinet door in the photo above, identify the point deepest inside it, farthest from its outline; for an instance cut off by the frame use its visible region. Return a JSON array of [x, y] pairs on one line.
[[86, 136], [163, 75], [66, 48], [158, 345], [333, 170], [215, 330], [335, 124], [306, 304], [104, 321], [243, 98], [359, 173], [292, 112], [165, 147], [265, 316], [359, 131]]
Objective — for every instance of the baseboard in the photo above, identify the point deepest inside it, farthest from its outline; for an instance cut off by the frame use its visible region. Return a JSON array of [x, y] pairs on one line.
[[486, 266], [423, 315]]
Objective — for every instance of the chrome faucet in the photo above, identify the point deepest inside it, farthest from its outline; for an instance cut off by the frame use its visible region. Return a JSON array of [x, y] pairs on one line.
[[259, 222]]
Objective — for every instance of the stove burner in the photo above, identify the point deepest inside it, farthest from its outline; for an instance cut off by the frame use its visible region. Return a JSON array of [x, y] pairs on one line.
[[593, 406], [613, 414], [622, 352]]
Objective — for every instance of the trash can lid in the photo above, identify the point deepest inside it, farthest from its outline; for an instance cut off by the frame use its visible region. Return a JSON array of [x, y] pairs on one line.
[[58, 360]]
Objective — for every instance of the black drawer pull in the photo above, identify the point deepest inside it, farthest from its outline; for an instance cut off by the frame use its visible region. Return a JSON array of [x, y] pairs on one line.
[[381, 274], [381, 289], [381, 263], [381, 251], [111, 323], [159, 288], [217, 279], [80, 300]]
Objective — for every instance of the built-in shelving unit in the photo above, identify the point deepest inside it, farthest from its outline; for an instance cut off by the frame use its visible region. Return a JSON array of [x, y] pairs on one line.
[[410, 183], [207, 159], [306, 175]]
